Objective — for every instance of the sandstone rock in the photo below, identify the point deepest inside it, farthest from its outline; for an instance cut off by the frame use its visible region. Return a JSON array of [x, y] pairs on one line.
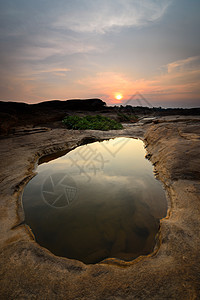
[[29, 271]]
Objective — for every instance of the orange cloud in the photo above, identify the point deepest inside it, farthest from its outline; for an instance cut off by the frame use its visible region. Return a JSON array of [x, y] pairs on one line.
[[179, 79], [110, 83]]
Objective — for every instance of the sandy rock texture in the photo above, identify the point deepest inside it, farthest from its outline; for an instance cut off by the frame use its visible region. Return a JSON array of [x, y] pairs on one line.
[[172, 271]]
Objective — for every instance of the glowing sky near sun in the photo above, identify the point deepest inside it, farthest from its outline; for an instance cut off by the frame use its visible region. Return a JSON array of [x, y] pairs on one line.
[[83, 48]]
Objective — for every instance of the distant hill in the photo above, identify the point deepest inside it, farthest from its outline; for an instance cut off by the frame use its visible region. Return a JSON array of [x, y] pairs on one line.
[[75, 104]]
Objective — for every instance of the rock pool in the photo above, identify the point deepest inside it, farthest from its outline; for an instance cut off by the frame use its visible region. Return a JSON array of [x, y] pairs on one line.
[[98, 201]]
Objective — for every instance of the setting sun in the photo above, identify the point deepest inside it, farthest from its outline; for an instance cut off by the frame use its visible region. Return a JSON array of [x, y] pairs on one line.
[[118, 96]]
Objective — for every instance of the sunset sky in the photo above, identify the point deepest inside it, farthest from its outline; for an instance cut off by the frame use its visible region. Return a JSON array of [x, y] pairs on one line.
[[108, 49]]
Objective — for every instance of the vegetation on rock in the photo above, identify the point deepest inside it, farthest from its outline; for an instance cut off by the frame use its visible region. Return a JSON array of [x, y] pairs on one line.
[[91, 122]]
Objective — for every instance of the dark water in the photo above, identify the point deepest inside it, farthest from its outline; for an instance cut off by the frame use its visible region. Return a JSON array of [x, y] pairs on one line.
[[100, 200]]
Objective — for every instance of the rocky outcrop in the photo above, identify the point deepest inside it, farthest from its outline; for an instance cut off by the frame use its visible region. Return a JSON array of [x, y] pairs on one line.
[[15, 114], [28, 271]]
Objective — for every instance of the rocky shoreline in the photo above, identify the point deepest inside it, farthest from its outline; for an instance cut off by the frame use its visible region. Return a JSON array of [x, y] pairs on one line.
[[172, 271]]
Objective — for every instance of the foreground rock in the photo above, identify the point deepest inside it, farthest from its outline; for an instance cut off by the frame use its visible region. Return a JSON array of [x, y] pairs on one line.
[[28, 271]]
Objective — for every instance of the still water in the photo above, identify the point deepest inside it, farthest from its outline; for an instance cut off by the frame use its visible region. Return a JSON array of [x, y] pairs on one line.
[[99, 200]]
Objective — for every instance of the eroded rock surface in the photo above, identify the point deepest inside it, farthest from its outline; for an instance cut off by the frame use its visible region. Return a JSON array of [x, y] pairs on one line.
[[28, 271]]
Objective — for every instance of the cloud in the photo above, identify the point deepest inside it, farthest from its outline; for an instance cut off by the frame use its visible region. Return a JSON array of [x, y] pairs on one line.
[[183, 64], [182, 75], [57, 47], [28, 34], [110, 83], [57, 70], [61, 72], [33, 32], [101, 16], [180, 80]]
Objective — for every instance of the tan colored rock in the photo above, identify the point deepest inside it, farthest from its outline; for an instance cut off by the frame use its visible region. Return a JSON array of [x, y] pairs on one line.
[[28, 271]]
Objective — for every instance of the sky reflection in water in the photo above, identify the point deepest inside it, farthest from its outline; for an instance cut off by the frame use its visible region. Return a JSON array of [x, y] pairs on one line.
[[99, 200]]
